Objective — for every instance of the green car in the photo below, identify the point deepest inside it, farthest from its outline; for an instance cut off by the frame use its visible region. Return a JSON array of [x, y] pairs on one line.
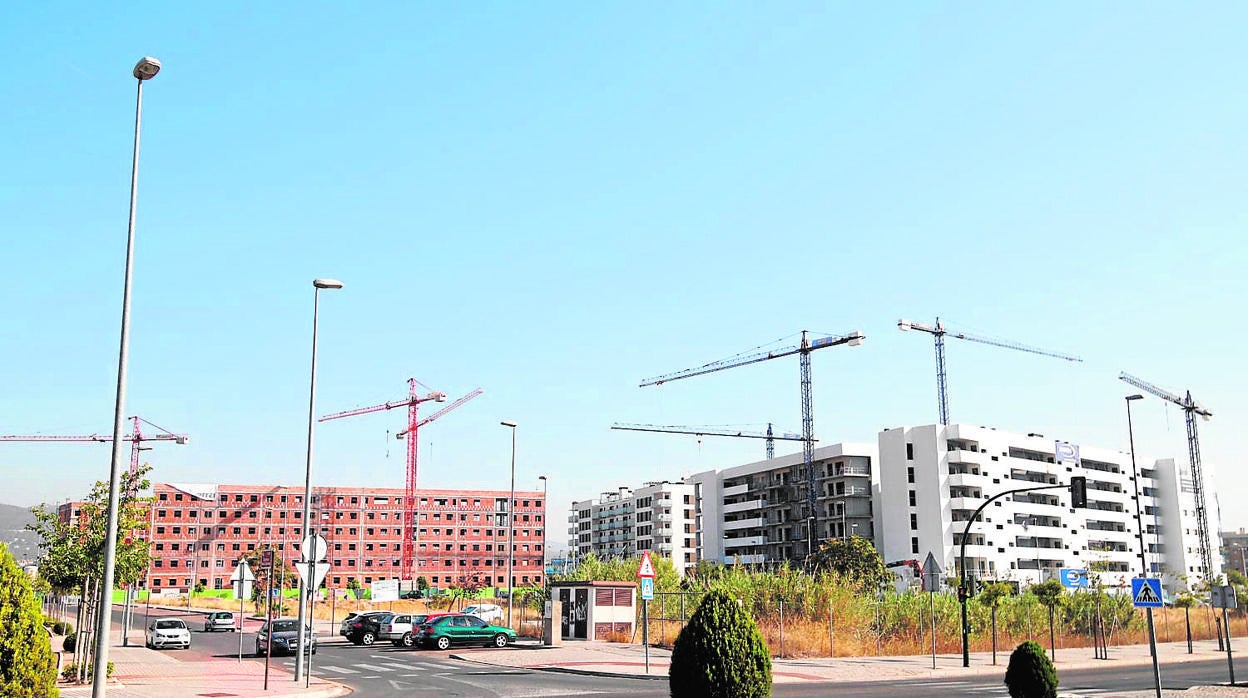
[[445, 631]]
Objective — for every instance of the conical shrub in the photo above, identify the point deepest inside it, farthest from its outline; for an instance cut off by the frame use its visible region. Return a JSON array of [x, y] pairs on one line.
[[1030, 673], [720, 654]]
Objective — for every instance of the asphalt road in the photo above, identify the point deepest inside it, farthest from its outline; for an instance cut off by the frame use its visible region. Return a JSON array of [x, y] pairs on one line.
[[385, 671]]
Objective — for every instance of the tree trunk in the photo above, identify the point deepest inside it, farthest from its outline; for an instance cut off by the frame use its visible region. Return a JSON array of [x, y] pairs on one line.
[[1052, 637]]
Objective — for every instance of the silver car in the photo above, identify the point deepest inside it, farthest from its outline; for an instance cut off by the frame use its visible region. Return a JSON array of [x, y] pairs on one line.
[[168, 632], [219, 620]]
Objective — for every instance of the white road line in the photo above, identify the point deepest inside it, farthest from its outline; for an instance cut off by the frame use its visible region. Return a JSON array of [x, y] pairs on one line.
[[372, 667], [400, 667], [338, 669]]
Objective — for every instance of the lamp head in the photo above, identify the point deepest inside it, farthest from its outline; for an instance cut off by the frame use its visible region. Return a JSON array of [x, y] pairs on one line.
[[1134, 397], [146, 68], [326, 283], [508, 423]]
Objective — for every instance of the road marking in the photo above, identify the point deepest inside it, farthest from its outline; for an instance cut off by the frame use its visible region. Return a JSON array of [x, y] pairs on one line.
[[400, 667], [372, 667], [338, 669]]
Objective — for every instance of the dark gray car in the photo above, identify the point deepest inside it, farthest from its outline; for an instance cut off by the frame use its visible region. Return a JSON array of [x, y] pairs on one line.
[[285, 634]]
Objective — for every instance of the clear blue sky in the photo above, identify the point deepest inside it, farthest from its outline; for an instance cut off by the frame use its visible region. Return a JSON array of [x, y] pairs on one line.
[[553, 201]]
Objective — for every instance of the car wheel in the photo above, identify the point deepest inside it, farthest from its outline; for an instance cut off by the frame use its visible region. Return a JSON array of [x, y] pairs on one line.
[[368, 638], [407, 640], [444, 643], [500, 640]]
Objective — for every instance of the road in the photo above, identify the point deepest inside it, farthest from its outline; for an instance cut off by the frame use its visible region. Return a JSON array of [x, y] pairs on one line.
[[383, 671]]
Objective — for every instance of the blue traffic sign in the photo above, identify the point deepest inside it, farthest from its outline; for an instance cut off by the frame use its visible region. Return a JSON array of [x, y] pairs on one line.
[[647, 588], [1146, 593], [1074, 578]]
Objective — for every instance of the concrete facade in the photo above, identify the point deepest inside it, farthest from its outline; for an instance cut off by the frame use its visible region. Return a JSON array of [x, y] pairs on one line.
[[933, 478], [661, 517]]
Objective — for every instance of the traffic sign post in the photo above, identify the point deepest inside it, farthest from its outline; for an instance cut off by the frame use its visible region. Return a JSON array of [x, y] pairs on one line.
[[1223, 597], [645, 573], [1146, 594], [931, 584], [242, 579]]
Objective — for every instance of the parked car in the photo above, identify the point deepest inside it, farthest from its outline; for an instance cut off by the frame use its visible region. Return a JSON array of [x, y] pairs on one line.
[[363, 628], [285, 637], [459, 629], [398, 630], [219, 620], [487, 612], [168, 632]]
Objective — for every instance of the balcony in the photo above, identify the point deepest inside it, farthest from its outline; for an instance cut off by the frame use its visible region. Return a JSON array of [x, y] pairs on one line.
[[748, 560], [744, 506], [744, 542], [665, 518], [959, 455], [744, 523], [736, 490]]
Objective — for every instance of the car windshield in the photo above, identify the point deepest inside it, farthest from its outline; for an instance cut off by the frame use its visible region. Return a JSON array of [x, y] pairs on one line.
[[472, 609], [285, 626], [169, 624]]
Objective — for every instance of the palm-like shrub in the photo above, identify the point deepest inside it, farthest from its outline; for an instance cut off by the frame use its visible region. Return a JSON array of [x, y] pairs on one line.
[[720, 653]]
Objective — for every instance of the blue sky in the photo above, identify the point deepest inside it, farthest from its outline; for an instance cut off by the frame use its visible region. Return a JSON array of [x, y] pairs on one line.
[[554, 201]]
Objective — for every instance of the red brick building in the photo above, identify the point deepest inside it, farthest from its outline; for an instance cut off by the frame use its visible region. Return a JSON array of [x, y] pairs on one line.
[[461, 535]]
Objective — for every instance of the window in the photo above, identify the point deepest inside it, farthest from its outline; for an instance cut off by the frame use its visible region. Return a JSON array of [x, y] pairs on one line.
[[910, 475], [909, 451], [914, 545], [912, 499], [914, 522]]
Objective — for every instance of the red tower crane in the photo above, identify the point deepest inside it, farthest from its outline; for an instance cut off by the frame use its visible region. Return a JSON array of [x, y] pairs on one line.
[[413, 425], [136, 439]]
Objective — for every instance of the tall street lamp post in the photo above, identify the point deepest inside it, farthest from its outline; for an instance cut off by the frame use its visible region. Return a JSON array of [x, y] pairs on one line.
[[511, 520], [144, 70], [302, 656], [545, 516]]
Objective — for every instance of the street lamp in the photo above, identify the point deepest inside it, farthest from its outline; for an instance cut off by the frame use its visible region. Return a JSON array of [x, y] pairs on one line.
[[511, 520], [144, 70], [545, 516], [301, 656], [1139, 527]]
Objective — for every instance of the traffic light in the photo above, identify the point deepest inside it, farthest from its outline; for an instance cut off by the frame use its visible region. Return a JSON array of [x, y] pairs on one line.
[[1079, 492], [962, 593]]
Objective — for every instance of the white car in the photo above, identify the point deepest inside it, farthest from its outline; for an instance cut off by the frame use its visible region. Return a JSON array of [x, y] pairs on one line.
[[487, 612], [168, 632], [219, 620]]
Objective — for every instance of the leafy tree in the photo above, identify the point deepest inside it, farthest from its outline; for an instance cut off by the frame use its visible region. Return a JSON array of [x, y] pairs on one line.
[[27, 664], [71, 553], [1030, 673], [855, 559], [991, 596], [720, 653], [1052, 595], [422, 585]]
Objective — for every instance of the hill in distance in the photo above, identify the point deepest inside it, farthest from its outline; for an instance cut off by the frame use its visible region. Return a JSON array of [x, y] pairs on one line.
[[23, 545]]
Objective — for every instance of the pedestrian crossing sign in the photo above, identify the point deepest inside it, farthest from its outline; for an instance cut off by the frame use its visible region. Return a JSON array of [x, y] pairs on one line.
[[1146, 593]]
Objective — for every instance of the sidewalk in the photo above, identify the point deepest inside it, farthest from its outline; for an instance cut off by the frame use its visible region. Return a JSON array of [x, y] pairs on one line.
[[143, 673], [615, 659]]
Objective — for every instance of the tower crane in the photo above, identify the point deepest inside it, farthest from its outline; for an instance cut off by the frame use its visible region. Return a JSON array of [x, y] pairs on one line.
[[716, 431], [413, 425], [939, 332], [1191, 410], [806, 472], [136, 439]]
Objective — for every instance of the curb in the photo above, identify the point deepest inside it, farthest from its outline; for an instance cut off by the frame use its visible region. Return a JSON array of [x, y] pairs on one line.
[[564, 670]]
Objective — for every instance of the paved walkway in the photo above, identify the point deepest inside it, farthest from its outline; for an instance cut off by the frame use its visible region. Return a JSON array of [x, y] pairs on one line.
[[143, 673], [604, 658]]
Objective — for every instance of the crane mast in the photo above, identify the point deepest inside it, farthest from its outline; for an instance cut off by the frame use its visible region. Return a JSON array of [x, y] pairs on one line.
[[805, 471], [1191, 410], [414, 423], [769, 435], [939, 332]]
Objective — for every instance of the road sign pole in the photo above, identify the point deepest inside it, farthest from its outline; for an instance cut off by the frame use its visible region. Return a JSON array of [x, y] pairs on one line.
[[268, 618], [241, 601], [645, 630], [931, 597], [1230, 661], [1152, 648]]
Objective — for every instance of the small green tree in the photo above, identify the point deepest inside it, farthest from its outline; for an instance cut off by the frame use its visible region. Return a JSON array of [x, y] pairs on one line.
[[1051, 594], [720, 653], [855, 559], [27, 664], [422, 586], [1030, 673], [991, 596]]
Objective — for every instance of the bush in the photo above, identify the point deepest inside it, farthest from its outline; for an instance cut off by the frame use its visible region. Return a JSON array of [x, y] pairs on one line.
[[70, 643], [720, 653], [27, 664], [1031, 674], [62, 627], [71, 672]]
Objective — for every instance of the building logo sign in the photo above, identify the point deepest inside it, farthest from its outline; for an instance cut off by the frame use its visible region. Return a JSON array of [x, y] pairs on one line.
[[1066, 452]]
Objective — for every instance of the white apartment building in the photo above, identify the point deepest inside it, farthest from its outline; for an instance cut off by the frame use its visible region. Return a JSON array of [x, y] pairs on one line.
[[660, 517], [932, 479], [756, 513]]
